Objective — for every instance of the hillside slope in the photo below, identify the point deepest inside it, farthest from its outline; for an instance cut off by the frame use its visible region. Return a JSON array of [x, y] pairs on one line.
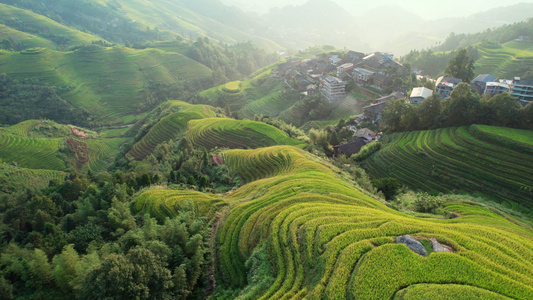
[[297, 231], [29, 29], [104, 81], [495, 163]]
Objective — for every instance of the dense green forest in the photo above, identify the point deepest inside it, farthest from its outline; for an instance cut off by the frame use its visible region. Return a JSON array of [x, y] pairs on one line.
[[30, 99]]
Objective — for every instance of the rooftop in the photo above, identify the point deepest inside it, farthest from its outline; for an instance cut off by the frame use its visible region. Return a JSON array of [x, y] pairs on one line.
[[421, 92], [485, 78], [448, 81], [363, 71], [524, 81], [498, 84]]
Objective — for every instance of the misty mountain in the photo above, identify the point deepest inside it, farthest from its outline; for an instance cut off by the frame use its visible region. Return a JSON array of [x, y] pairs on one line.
[[313, 23], [394, 29]]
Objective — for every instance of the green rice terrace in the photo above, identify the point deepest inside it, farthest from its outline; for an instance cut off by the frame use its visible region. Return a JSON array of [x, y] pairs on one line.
[[261, 95], [14, 178], [104, 81], [492, 162], [17, 22], [170, 126], [229, 133], [298, 230], [45, 145], [506, 61]]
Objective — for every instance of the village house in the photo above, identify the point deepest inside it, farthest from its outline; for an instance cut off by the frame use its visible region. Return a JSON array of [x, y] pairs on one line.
[[332, 87], [344, 68], [348, 149], [393, 96], [363, 75], [365, 134], [314, 75], [373, 113], [523, 90], [294, 61], [378, 57], [419, 94], [381, 81], [325, 68], [445, 85], [480, 82], [495, 88], [353, 55]]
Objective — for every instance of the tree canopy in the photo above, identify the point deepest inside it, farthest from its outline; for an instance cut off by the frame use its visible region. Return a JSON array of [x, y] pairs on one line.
[[461, 66]]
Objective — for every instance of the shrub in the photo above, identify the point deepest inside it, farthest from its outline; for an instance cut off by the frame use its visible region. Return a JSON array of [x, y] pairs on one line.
[[388, 186], [367, 150], [426, 203]]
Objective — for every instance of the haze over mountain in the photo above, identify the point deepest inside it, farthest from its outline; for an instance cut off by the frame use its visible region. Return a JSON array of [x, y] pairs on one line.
[[390, 26], [428, 10]]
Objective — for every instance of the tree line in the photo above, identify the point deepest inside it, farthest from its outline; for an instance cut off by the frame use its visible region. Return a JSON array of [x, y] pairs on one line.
[[464, 107], [27, 99], [82, 239]]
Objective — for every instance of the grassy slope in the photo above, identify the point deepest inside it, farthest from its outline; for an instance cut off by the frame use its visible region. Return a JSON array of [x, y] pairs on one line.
[[53, 29], [222, 133], [505, 62], [461, 159], [170, 126], [163, 13], [23, 39], [106, 81], [328, 240]]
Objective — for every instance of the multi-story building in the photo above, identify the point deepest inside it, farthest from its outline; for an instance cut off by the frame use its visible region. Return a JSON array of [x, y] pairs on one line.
[[522, 89], [332, 87], [343, 68], [445, 85], [363, 75], [480, 82], [495, 88]]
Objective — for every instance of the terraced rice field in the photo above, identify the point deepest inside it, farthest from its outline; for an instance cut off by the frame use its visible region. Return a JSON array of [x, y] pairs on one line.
[[495, 163], [22, 128], [101, 153], [229, 133], [506, 62], [15, 178], [106, 81], [327, 240], [165, 203], [170, 127], [271, 105], [233, 87], [31, 153], [260, 95]]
